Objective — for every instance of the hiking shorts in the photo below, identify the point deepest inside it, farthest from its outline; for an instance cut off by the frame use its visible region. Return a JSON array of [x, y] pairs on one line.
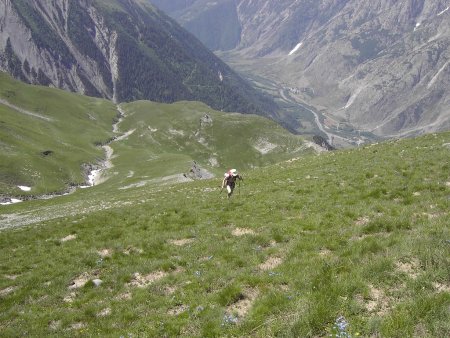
[[230, 187]]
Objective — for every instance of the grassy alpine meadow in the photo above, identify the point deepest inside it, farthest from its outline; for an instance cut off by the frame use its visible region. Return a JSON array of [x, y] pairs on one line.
[[47, 135], [49, 139], [346, 243]]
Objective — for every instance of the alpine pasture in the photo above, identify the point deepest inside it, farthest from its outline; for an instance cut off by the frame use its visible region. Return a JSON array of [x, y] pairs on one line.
[[346, 243]]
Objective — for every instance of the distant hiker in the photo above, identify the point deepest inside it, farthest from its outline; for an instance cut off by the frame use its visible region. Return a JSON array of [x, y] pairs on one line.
[[229, 181]]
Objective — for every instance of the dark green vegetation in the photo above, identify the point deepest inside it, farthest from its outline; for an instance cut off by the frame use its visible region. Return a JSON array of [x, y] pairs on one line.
[[126, 51], [361, 234]]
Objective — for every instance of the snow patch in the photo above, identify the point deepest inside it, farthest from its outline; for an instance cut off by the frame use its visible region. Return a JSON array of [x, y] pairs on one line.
[[296, 48], [433, 80], [353, 97], [24, 188], [11, 201], [445, 10], [93, 176]]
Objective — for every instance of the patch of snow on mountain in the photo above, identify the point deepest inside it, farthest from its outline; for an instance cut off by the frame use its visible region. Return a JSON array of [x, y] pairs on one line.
[[353, 97], [10, 201], [433, 80], [24, 188], [296, 48], [445, 10]]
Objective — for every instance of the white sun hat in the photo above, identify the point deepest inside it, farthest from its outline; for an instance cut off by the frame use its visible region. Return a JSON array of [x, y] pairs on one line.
[[233, 172]]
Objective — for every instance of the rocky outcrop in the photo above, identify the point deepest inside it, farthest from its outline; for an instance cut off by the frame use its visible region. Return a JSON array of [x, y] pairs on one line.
[[50, 56]]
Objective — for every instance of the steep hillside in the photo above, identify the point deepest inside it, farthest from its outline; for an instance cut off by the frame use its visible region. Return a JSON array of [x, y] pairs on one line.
[[374, 66], [48, 138], [215, 23], [348, 243], [121, 50], [51, 141]]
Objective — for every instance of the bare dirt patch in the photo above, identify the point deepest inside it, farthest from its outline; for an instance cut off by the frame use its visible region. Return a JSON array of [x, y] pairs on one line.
[[78, 326], [324, 252], [410, 268], [68, 238], [132, 250], [178, 310], [70, 297], [105, 253], [378, 302], [124, 296], [271, 263], [7, 291], [181, 242], [441, 287], [80, 281], [244, 304], [242, 232], [11, 277], [54, 325], [143, 281], [169, 290], [104, 313], [362, 221]]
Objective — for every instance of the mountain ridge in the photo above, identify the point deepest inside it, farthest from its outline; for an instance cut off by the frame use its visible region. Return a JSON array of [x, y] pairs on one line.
[[120, 50], [375, 66]]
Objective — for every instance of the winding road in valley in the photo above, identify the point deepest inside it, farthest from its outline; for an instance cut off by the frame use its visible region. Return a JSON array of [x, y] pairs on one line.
[[329, 135]]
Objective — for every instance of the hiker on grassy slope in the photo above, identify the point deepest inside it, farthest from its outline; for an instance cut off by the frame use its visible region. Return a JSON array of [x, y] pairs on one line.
[[229, 181]]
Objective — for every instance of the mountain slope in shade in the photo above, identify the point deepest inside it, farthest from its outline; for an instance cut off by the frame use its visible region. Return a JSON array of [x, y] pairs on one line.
[[215, 23], [381, 66], [122, 50]]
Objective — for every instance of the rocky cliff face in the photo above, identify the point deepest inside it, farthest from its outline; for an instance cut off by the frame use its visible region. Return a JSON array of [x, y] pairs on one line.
[[118, 49], [379, 65], [39, 47]]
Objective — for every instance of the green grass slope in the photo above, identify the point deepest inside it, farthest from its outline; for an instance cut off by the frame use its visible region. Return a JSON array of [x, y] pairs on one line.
[[165, 139], [46, 135], [353, 243]]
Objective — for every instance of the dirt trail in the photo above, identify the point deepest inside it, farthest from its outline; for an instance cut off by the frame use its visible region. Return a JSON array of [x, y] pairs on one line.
[[23, 111]]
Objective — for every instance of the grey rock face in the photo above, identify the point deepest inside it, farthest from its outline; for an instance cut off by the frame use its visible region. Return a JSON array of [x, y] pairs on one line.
[[378, 65], [122, 50], [71, 69]]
